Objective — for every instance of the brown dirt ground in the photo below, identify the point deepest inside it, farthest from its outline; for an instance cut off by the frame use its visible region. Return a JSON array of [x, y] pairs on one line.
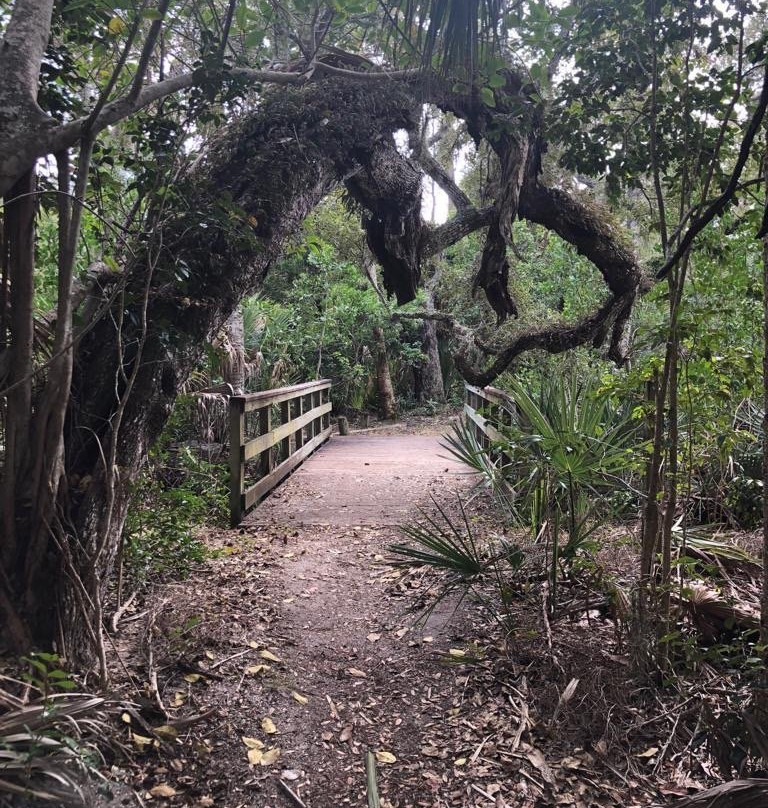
[[300, 620]]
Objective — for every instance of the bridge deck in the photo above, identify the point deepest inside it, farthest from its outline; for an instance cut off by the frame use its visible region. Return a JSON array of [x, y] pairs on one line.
[[360, 480]]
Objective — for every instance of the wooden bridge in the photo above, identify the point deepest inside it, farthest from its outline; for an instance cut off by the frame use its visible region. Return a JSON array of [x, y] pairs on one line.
[[273, 432]]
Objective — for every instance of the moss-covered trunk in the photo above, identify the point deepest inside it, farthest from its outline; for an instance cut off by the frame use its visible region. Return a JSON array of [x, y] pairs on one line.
[[251, 191]]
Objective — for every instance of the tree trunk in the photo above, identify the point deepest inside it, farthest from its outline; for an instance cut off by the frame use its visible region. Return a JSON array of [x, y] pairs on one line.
[[764, 591], [233, 359], [383, 377], [251, 191], [431, 388]]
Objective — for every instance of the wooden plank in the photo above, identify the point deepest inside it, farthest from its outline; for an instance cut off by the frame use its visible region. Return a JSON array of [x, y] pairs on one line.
[[299, 411], [254, 401], [496, 399], [265, 427], [236, 461], [285, 418], [483, 424], [500, 397], [260, 489], [266, 441]]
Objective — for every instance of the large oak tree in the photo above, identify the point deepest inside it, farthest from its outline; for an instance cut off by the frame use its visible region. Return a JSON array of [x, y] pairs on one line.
[[79, 419]]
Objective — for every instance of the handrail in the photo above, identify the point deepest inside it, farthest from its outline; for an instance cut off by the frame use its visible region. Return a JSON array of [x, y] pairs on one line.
[[498, 410], [305, 424]]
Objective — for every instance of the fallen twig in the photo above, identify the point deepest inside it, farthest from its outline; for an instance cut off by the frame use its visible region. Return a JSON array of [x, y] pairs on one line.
[[122, 610], [372, 788], [292, 794], [231, 657]]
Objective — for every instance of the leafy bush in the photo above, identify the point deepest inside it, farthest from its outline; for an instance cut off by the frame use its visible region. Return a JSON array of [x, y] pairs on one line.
[[176, 494]]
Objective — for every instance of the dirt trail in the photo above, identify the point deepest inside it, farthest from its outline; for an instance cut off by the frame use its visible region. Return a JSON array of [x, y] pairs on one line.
[[349, 644], [302, 622], [298, 649]]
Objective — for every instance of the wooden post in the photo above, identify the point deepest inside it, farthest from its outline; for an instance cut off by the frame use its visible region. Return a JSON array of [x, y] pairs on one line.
[[285, 417], [265, 426], [325, 397], [316, 428], [343, 425], [299, 434], [236, 462]]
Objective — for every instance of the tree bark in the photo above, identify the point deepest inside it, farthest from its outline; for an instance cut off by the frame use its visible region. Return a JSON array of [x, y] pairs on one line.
[[384, 385], [233, 358], [251, 191], [764, 590], [431, 387]]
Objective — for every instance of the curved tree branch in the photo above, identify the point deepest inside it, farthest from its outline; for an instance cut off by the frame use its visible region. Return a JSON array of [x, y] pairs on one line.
[[554, 339]]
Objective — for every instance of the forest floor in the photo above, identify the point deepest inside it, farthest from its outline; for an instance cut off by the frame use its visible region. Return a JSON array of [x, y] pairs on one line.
[[295, 651]]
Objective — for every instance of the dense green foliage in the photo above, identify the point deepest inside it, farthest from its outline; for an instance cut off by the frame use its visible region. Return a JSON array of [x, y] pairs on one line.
[[314, 319]]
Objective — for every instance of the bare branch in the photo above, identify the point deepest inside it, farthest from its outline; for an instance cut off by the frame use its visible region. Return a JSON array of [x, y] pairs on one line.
[[149, 47], [436, 239], [719, 204], [441, 177]]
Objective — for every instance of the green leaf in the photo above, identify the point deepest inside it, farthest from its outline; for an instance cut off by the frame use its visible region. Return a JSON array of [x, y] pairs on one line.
[[497, 80], [487, 97]]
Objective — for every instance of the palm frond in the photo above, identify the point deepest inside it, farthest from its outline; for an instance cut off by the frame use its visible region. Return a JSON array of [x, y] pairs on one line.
[[48, 748], [441, 546]]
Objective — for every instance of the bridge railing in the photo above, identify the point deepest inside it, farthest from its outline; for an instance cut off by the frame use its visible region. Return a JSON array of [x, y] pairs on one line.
[[270, 434], [487, 408]]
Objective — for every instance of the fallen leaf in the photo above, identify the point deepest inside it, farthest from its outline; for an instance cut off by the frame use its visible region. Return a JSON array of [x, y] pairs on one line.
[[290, 774], [268, 725], [373, 637], [649, 753], [356, 672], [255, 756], [385, 757], [536, 758], [270, 756], [298, 697], [255, 670], [166, 732], [252, 743], [456, 652], [163, 790], [269, 655], [400, 633], [140, 741], [192, 678], [345, 734]]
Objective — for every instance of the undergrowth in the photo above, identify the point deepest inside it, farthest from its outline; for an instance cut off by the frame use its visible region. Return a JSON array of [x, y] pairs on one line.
[[177, 493]]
